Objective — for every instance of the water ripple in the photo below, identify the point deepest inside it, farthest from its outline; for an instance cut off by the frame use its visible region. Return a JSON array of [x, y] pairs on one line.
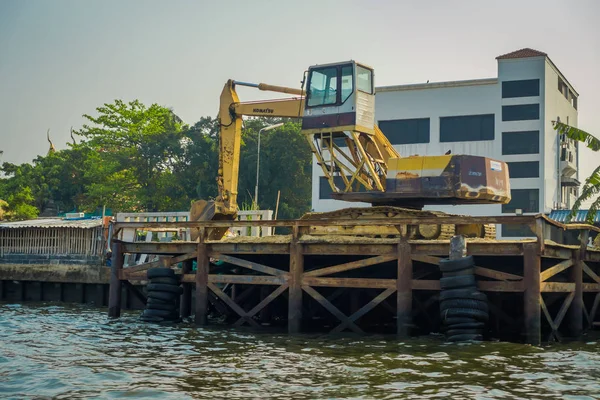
[[50, 351]]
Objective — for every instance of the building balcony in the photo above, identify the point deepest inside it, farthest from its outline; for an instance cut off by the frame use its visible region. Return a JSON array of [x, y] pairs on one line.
[[568, 168]]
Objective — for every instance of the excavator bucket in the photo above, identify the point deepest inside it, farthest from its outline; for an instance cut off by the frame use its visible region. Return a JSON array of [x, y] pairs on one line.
[[203, 210]]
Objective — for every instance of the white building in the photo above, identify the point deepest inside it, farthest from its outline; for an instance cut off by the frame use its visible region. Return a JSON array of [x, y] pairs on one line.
[[507, 118]]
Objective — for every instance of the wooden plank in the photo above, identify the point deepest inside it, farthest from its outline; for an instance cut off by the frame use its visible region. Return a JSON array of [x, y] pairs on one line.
[[350, 266], [201, 280], [591, 287], [501, 286], [331, 308], [354, 249], [232, 304], [426, 259], [250, 265], [248, 279], [350, 282], [557, 287], [458, 219], [114, 294], [274, 294], [404, 295], [295, 283], [499, 275], [555, 269], [365, 309], [421, 284], [532, 293]]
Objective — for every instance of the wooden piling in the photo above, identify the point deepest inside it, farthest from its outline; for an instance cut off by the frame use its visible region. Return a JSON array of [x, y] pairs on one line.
[[295, 284], [202, 265], [186, 296], [531, 295], [404, 290], [576, 276], [114, 296]]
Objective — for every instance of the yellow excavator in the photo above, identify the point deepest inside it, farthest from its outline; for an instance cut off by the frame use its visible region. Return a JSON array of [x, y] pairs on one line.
[[338, 120]]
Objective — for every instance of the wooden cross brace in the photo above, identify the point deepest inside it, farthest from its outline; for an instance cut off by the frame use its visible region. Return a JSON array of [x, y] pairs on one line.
[[555, 323], [246, 317]]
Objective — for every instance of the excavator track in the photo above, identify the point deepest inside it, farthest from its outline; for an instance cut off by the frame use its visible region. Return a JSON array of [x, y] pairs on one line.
[[422, 231]]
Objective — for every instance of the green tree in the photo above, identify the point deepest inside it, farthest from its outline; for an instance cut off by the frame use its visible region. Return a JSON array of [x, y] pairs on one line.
[[20, 205], [133, 150], [285, 165], [591, 187]]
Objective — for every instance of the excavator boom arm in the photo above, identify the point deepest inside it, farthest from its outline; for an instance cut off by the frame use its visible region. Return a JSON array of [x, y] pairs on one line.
[[231, 111]]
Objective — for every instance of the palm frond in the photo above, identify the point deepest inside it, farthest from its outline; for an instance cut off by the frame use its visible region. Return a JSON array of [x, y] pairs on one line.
[[577, 134], [590, 189], [592, 211]]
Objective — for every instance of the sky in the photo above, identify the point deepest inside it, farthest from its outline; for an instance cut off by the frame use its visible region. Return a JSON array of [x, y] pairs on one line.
[[61, 59]]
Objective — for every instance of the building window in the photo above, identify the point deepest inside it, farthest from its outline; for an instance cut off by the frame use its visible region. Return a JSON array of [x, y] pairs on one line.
[[406, 131], [525, 88], [467, 128], [325, 190], [516, 231], [524, 142], [527, 200], [521, 112], [524, 169]]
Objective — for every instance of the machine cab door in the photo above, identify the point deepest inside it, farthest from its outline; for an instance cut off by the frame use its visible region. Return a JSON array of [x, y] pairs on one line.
[[339, 97]]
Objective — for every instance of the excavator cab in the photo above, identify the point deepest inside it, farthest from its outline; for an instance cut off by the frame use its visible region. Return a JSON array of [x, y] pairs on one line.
[[339, 97]]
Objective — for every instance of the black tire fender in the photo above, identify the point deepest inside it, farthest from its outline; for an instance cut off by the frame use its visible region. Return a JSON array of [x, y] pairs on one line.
[[163, 287], [457, 282], [447, 265], [166, 296], [479, 315], [471, 294], [160, 273], [464, 303]]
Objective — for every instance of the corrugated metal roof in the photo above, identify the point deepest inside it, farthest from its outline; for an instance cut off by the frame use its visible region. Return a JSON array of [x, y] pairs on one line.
[[561, 216], [54, 223]]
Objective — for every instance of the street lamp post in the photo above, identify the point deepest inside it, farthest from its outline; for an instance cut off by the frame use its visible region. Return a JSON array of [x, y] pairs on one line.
[[266, 128]]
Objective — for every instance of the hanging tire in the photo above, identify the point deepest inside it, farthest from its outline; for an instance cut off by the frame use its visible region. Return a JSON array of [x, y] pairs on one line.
[[465, 312], [162, 287], [166, 281], [152, 300], [468, 271], [456, 282], [146, 318], [460, 320], [447, 265], [158, 306], [167, 314], [454, 332], [466, 325], [471, 294], [160, 273], [465, 338], [464, 303], [167, 296]]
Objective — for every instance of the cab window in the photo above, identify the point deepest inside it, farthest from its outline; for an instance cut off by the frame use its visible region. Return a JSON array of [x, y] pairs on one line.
[[347, 84], [364, 79], [323, 87]]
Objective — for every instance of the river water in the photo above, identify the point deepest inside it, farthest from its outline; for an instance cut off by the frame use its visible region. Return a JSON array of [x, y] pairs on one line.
[[64, 351]]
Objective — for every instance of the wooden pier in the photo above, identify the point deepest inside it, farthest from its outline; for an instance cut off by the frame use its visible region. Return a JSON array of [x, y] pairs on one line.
[[539, 289]]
